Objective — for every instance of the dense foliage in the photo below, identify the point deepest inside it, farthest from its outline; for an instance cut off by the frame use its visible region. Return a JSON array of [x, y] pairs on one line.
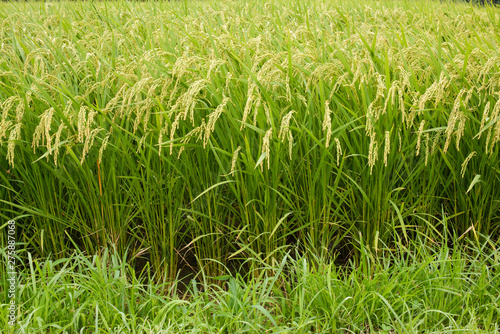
[[217, 137], [235, 129], [422, 290]]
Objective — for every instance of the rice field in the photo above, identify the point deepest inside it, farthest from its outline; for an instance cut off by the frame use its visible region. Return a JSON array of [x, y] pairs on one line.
[[216, 139]]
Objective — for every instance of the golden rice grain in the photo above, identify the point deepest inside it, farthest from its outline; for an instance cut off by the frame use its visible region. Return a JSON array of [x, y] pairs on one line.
[[466, 162], [266, 147], [387, 147], [235, 159], [327, 123]]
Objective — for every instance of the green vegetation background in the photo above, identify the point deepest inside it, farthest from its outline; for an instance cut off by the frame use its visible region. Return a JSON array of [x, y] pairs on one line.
[[201, 135]]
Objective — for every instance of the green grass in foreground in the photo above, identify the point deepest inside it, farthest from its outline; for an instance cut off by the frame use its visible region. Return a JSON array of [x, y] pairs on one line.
[[423, 290]]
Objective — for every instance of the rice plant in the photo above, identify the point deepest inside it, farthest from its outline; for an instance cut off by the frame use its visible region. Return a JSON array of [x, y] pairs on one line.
[[202, 134]]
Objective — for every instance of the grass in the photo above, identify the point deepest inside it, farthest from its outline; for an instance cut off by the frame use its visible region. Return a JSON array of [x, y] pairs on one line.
[[426, 289], [194, 136]]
